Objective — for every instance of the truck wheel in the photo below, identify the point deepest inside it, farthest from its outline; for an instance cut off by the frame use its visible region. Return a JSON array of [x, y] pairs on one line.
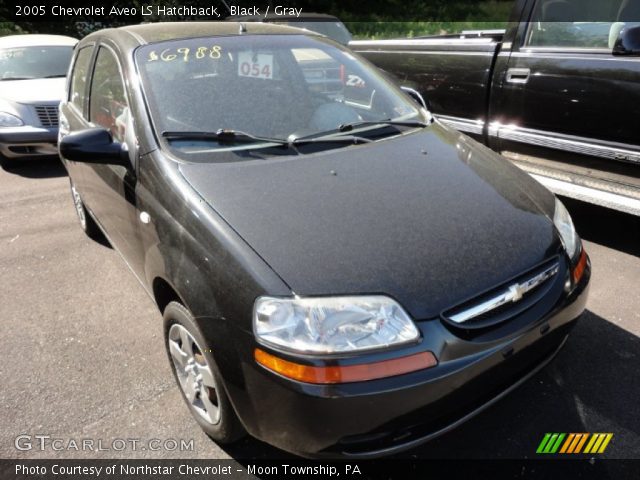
[[197, 375], [87, 223]]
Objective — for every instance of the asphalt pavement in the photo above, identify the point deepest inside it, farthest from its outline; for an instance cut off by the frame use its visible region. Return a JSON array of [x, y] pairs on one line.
[[82, 356]]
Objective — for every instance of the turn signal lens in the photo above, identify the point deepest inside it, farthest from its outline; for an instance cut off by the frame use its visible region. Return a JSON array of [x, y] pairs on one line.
[[346, 373], [580, 267]]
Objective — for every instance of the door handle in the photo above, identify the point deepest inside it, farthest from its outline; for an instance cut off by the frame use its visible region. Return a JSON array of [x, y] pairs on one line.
[[518, 75]]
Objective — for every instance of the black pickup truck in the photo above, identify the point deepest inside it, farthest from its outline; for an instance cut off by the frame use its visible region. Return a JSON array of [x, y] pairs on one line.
[[557, 92]]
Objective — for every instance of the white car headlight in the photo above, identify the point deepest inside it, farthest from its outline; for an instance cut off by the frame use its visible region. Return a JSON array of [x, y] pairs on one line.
[[9, 120], [564, 225], [325, 325]]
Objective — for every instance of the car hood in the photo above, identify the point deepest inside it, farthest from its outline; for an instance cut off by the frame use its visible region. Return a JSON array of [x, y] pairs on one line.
[[40, 90], [428, 218]]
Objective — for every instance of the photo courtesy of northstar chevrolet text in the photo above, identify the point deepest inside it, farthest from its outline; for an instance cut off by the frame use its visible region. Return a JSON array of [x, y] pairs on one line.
[[315, 231]]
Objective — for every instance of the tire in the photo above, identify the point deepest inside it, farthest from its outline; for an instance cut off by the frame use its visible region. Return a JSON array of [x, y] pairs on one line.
[[8, 163], [198, 377], [87, 223]]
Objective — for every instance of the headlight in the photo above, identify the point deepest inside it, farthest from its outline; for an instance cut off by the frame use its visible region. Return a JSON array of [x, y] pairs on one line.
[[332, 324], [567, 231], [8, 120]]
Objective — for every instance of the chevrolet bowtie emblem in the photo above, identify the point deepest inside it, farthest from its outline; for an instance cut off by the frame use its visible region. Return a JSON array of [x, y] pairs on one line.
[[513, 293], [516, 292]]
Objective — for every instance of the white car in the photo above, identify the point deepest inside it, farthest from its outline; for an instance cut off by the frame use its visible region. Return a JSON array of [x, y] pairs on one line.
[[32, 79]]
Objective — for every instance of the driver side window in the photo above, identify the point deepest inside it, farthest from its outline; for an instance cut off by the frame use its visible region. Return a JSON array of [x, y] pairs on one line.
[[577, 23], [108, 102]]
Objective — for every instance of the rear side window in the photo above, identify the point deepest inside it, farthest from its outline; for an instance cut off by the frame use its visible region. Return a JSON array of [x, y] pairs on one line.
[[577, 23], [108, 105], [79, 77]]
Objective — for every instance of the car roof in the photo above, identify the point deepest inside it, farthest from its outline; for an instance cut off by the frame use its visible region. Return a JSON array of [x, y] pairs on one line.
[[36, 41], [157, 32]]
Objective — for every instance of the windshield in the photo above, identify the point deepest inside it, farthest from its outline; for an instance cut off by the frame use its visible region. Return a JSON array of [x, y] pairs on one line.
[[24, 63], [269, 86]]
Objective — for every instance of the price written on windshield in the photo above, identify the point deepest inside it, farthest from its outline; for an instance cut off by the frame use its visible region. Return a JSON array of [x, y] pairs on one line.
[[185, 54], [255, 65]]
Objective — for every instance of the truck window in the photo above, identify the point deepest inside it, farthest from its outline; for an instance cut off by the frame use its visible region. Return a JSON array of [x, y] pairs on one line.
[[326, 75], [577, 23]]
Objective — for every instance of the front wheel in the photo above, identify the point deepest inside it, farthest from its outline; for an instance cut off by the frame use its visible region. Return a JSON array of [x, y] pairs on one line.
[[197, 375], [87, 223], [8, 163]]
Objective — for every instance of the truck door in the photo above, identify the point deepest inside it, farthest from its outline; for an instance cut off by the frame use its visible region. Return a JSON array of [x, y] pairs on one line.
[[563, 105]]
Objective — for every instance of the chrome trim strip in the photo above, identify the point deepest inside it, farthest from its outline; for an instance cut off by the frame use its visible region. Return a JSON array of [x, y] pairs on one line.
[[529, 49], [423, 52], [513, 293], [588, 194], [602, 56], [425, 41], [462, 124], [567, 143]]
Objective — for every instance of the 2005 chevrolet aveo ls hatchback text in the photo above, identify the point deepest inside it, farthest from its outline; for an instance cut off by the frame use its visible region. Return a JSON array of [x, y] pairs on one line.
[[339, 274]]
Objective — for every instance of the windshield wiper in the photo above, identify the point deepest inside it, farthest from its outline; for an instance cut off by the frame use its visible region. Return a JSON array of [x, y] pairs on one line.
[[333, 134], [328, 139], [223, 136], [237, 136], [57, 75], [16, 78], [347, 127]]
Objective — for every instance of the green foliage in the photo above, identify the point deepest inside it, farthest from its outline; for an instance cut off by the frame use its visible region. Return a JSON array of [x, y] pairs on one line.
[[451, 17], [9, 28], [371, 19]]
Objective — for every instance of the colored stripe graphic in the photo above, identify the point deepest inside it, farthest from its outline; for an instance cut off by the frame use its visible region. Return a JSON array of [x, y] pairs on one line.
[[605, 443], [550, 443], [555, 447], [590, 444], [567, 443], [543, 443], [597, 439], [581, 443], [573, 443]]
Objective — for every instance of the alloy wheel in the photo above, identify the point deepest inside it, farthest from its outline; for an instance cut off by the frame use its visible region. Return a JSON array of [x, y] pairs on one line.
[[194, 374]]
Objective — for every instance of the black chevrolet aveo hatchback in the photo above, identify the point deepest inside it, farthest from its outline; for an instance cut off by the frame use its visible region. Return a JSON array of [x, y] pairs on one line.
[[339, 273]]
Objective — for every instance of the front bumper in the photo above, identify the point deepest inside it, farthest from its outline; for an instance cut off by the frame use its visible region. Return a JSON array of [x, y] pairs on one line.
[[386, 416], [28, 141]]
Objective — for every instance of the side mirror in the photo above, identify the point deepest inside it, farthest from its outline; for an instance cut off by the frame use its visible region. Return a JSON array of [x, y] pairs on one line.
[[413, 93], [94, 145], [628, 42]]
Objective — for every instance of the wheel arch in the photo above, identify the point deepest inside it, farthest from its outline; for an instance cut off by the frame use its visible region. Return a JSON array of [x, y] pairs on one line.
[[164, 293]]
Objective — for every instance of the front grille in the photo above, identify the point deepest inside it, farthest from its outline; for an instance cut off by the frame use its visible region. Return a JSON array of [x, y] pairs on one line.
[[507, 301], [48, 115]]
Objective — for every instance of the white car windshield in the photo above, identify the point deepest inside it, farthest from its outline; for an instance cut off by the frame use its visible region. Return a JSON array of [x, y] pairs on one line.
[[25, 63]]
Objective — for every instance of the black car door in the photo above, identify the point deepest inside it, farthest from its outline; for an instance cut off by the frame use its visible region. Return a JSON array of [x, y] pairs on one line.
[[562, 102], [109, 191]]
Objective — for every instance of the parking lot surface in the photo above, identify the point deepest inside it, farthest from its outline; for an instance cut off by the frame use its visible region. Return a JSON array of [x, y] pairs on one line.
[[82, 353]]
